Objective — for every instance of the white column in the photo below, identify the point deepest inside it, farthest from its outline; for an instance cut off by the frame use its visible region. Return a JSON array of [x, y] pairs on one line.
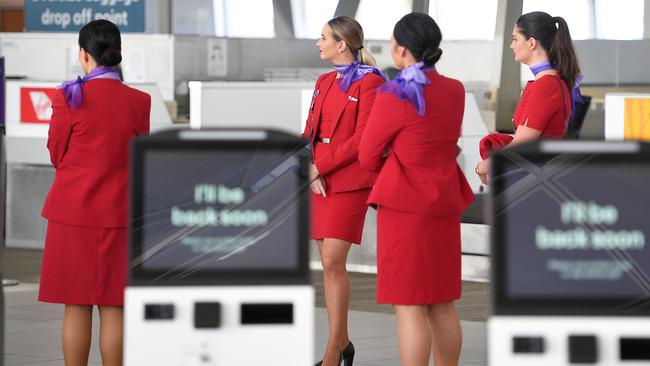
[[506, 73]]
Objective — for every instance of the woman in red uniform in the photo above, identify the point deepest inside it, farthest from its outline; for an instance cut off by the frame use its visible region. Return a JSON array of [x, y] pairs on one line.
[[84, 263], [547, 103], [341, 103], [420, 192]]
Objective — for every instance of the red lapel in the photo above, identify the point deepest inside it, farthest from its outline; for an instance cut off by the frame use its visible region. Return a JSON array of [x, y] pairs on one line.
[[325, 86], [353, 92]]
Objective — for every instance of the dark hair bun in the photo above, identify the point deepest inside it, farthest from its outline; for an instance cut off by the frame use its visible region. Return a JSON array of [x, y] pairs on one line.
[[420, 34], [431, 55], [102, 40], [111, 57]]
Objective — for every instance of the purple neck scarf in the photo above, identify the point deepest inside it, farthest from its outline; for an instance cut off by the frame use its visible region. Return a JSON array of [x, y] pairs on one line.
[[353, 72], [576, 96], [73, 89], [409, 85], [541, 66]]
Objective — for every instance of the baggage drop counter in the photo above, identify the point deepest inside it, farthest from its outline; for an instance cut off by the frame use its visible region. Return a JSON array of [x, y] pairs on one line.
[[29, 170], [219, 271], [571, 257]]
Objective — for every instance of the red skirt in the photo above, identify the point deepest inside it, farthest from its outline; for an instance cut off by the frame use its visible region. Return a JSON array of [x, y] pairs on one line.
[[84, 265], [418, 258], [339, 215]]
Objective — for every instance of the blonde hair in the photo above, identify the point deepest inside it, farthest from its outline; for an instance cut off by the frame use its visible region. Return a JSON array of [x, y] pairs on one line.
[[349, 30]]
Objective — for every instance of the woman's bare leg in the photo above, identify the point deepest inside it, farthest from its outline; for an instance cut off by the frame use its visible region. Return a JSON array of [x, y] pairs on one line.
[[446, 333], [413, 335], [334, 254], [76, 334], [111, 325]]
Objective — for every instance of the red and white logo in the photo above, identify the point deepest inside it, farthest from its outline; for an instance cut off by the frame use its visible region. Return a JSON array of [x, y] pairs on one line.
[[36, 104]]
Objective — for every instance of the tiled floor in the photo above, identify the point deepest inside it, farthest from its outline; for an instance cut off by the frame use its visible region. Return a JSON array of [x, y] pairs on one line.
[[33, 330]]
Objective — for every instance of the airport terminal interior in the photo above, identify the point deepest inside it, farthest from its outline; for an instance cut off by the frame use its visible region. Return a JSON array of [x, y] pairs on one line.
[[554, 261]]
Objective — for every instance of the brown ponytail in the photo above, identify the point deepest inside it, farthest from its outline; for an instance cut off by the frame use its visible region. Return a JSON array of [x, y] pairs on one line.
[[562, 54], [366, 58]]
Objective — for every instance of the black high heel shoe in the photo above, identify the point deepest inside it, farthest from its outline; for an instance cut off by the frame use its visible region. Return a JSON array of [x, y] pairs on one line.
[[346, 356]]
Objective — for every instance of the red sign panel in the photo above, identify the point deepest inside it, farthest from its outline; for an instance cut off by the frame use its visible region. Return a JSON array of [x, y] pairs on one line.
[[36, 104]]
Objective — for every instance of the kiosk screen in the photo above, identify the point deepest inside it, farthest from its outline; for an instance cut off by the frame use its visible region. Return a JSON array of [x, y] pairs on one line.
[[571, 230], [223, 213]]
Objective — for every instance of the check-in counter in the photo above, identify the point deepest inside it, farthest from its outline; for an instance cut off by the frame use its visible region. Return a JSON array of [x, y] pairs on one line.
[[279, 105], [29, 171], [285, 106]]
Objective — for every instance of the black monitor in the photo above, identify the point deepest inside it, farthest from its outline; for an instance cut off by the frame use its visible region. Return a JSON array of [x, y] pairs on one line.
[[219, 207], [571, 229]]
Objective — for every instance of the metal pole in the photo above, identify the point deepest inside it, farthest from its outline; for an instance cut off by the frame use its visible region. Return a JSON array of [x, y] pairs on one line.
[[420, 6], [347, 8]]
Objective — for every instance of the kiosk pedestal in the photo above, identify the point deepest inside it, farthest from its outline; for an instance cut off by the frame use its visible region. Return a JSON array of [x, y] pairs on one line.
[[219, 250], [571, 255]]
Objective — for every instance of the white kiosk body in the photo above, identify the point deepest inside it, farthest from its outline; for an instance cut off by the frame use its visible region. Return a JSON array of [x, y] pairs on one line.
[[570, 255], [219, 240]]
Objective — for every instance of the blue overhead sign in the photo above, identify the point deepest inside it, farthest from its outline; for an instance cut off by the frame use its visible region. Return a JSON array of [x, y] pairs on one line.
[[71, 15]]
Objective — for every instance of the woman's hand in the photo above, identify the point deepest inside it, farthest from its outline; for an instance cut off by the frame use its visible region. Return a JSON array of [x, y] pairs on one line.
[[316, 182], [318, 186], [482, 169], [313, 173]]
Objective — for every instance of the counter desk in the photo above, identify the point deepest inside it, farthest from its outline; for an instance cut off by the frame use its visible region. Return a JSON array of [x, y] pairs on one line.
[[29, 171]]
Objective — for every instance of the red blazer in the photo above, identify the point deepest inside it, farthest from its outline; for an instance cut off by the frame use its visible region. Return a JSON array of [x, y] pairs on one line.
[[341, 164], [545, 105], [420, 174], [89, 148]]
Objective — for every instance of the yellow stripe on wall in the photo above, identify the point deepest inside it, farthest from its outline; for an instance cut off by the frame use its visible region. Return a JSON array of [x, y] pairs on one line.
[[637, 119]]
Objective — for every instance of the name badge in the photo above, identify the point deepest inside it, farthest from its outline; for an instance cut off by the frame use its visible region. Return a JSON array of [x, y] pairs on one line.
[[352, 99], [313, 100]]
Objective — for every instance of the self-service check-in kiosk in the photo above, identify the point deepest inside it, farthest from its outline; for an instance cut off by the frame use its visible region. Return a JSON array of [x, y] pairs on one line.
[[571, 255], [219, 269]]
